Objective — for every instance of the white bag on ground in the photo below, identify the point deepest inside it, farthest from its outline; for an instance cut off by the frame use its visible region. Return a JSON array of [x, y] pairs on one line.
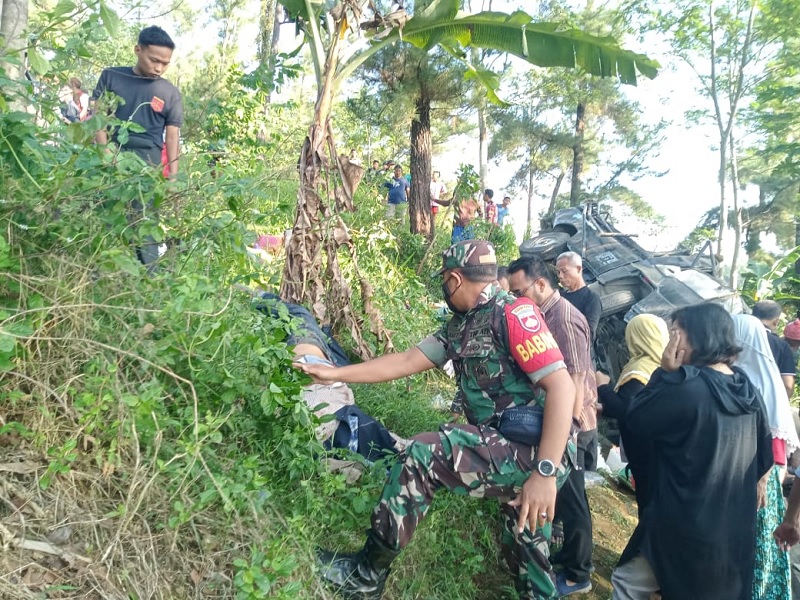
[[614, 462], [601, 463]]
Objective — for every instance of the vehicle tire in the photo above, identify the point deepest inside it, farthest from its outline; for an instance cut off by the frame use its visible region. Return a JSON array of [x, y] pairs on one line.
[[547, 245], [617, 301], [610, 351]]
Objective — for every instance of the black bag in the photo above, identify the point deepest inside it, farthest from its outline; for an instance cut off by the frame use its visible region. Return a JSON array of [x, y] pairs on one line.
[[361, 433], [522, 424]]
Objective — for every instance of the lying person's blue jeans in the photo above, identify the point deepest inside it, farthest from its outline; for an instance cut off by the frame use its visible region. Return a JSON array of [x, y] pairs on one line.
[[309, 332]]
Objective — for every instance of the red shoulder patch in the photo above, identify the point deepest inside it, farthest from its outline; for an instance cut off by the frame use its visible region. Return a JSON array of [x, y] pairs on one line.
[[531, 343], [527, 317], [157, 104]]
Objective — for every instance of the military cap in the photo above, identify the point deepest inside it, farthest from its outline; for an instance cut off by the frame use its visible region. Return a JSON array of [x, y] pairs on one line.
[[469, 253]]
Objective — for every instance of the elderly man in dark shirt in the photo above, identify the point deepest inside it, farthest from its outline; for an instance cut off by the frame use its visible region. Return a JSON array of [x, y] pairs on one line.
[[769, 313], [530, 277], [569, 266]]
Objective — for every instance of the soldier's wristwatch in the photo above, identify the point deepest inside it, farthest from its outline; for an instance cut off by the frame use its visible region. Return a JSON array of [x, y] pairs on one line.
[[546, 468]]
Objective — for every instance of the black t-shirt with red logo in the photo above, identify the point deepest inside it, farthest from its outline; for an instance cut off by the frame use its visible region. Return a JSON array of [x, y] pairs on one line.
[[151, 103]]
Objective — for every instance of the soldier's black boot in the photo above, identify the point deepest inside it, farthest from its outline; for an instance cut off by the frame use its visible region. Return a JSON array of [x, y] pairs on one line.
[[360, 576]]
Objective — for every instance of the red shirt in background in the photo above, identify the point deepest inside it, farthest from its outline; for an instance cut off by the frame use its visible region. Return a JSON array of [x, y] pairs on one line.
[[491, 212]]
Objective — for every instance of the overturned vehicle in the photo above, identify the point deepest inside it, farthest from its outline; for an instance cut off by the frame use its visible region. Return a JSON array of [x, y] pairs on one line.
[[628, 279]]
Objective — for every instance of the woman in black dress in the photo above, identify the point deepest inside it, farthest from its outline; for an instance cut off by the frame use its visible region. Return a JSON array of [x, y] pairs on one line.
[[699, 431]]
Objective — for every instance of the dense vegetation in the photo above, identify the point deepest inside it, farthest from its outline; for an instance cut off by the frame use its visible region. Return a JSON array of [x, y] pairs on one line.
[[157, 419]]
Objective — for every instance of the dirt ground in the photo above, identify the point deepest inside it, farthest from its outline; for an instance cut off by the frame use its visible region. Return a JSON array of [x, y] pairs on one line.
[[614, 519], [55, 564]]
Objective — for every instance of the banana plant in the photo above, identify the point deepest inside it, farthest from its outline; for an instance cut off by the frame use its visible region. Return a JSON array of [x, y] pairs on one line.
[[341, 36]]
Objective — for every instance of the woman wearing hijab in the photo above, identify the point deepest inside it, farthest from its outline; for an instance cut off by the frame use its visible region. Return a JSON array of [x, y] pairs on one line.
[[772, 575], [699, 430], [646, 337]]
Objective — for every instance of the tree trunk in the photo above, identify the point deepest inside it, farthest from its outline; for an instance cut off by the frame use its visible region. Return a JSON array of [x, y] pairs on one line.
[[577, 156], [734, 85], [483, 144], [737, 216], [303, 280], [554, 196], [529, 226], [752, 230], [269, 30], [723, 201], [13, 22], [483, 134], [797, 234], [420, 198], [327, 184], [266, 28]]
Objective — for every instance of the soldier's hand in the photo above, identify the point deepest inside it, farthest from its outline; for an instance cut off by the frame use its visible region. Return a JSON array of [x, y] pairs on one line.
[[536, 502], [323, 374]]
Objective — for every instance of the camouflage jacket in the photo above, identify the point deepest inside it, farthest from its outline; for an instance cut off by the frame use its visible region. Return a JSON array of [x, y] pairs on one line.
[[500, 350]]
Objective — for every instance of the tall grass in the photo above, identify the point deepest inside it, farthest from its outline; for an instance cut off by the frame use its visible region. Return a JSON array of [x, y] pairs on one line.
[[155, 444]]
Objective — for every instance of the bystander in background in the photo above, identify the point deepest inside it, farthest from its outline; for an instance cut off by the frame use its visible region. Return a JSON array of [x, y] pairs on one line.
[[142, 96]]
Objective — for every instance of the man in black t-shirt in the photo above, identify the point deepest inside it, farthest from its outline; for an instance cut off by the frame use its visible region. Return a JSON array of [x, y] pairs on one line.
[[148, 100], [769, 312], [569, 266]]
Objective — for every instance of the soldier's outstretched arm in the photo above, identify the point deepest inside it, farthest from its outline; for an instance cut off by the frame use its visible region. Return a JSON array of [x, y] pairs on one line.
[[384, 368], [537, 500]]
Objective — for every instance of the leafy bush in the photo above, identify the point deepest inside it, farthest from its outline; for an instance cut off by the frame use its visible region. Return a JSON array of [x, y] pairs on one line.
[[163, 409], [171, 388], [159, 415], [777, 280]]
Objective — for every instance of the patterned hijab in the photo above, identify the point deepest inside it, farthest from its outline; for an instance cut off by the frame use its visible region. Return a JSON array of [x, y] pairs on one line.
[[759, 365], [646, 337]]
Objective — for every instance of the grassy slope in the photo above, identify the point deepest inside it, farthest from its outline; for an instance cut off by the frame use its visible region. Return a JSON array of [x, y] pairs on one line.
[[148, 531]]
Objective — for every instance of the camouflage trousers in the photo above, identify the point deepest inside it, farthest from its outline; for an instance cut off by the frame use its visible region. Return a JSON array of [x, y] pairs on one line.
[[475, 461]]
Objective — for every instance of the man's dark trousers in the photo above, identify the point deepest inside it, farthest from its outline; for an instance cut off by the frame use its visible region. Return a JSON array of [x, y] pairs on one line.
[[147, 253], [572, 509], [587, 449]]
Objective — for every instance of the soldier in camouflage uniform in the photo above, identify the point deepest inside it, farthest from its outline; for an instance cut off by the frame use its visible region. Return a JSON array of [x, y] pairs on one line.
[[504, 356]]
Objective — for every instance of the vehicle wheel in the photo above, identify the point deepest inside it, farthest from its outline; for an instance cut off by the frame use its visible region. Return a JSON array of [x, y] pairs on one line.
[[610, 350], [617, 301], [547, 246]]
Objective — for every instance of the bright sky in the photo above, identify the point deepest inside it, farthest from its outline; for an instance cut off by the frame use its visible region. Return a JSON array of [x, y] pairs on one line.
[[683, 195], [689, 189]]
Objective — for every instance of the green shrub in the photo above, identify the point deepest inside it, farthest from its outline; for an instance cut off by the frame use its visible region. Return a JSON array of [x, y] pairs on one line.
[[163, 409]]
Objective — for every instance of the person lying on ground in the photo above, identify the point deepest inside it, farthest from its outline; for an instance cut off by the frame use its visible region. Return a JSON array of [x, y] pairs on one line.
[[351, 427]]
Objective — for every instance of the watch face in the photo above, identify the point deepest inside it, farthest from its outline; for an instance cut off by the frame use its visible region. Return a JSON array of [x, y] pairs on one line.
[[546, 468]]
